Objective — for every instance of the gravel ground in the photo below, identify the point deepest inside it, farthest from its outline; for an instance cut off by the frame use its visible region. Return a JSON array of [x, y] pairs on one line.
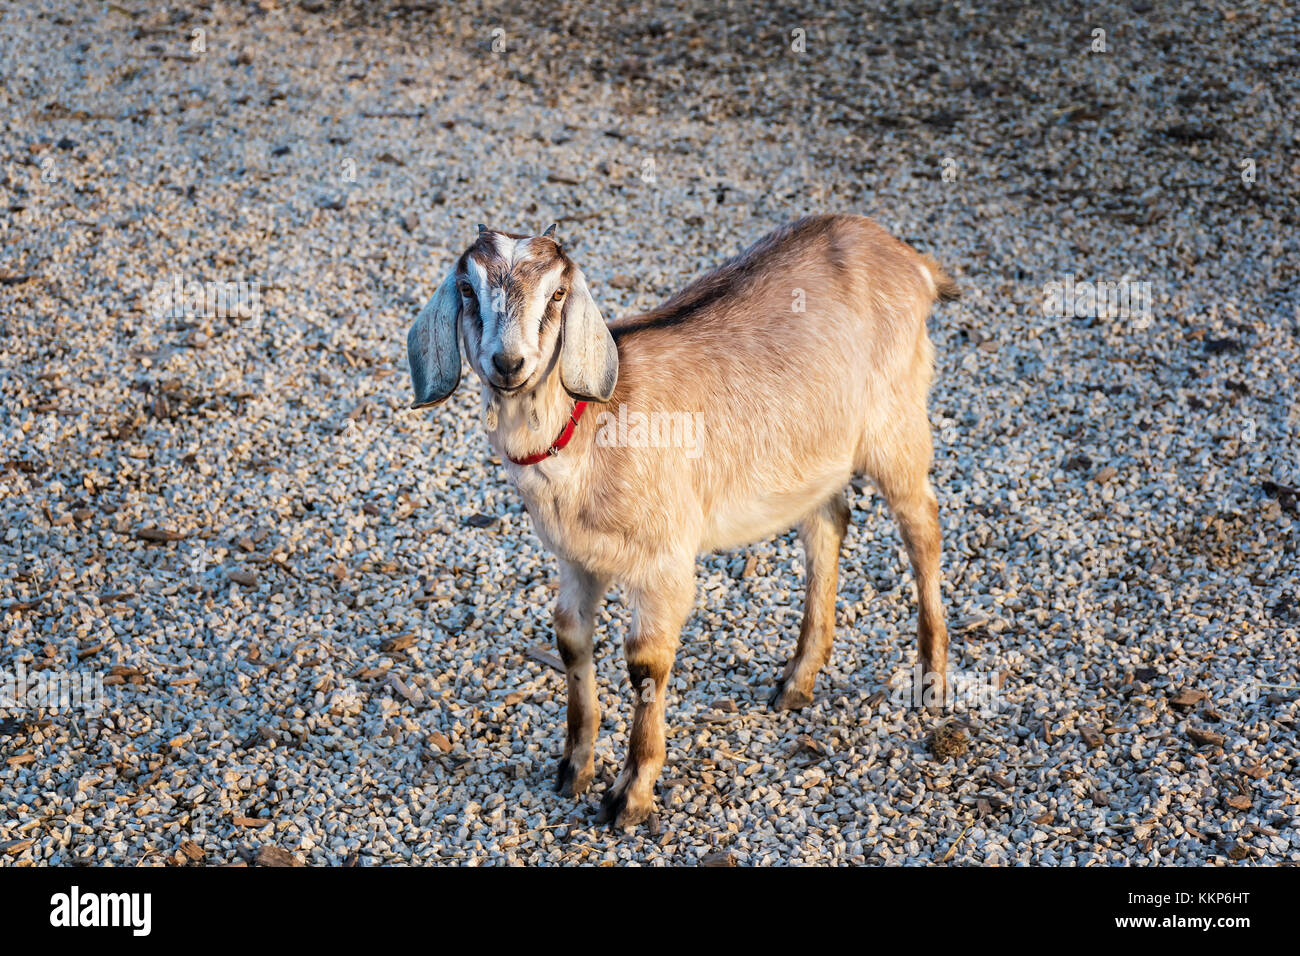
[[322, 620]]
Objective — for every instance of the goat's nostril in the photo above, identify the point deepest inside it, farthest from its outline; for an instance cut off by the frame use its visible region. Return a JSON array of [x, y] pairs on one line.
[[506, 365]]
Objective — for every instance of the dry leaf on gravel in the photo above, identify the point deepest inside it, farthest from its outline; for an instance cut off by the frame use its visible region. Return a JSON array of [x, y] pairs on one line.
[[1205, 738], [275, 856]]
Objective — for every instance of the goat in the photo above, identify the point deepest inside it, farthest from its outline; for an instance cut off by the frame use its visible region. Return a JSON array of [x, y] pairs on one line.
[[804, 361]]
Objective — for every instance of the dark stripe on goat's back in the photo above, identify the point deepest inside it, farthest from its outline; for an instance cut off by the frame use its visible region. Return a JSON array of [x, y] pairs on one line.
[[734, 275]]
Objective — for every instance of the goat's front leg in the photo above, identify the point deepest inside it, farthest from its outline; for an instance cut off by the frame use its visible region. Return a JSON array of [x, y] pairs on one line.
[[651, 646], [575, 625]]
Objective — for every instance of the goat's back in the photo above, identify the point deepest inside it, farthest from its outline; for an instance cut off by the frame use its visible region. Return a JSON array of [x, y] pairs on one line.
[[816, 311], [800, 352]]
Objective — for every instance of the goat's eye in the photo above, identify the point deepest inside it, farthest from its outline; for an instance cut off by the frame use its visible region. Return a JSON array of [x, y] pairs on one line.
[[465, 289], [559, 294]]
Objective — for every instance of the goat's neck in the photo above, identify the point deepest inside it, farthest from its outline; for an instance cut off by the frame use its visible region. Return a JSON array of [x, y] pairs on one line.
[[547, 407]]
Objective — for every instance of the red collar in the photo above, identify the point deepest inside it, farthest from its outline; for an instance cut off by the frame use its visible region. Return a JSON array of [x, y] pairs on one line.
[[560, 442]]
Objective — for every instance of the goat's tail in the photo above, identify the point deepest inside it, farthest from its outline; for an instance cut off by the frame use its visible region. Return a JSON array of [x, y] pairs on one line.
[[945, 289]]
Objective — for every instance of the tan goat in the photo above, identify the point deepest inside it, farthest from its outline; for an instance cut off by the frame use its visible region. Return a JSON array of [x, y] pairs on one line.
[[796, 365]]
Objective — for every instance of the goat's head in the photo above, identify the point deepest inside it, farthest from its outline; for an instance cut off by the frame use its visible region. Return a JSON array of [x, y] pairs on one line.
[[520, 308]]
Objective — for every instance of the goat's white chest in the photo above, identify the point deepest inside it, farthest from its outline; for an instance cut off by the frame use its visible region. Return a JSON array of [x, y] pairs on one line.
[[547, 492]]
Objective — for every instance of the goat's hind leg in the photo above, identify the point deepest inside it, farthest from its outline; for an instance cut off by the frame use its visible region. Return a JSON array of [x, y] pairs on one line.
[[575, 626], [911, 499], [822, 533]]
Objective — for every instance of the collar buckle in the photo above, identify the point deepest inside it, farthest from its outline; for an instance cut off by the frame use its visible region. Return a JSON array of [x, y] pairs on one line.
[[560, 441]]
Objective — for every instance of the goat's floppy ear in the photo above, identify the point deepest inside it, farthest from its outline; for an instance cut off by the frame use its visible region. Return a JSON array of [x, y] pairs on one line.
[[432, 347], [588, 356]]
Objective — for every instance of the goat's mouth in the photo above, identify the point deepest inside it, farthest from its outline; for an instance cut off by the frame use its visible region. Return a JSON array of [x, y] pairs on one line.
[[506, 389], [510, 386]]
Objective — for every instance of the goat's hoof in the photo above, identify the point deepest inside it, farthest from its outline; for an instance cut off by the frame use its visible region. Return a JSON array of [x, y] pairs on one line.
[[788, 697], [621, 812], [570, 780]]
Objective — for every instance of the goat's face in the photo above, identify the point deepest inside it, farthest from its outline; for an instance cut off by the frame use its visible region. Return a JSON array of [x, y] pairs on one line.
[[520, 306], [512, 291]]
